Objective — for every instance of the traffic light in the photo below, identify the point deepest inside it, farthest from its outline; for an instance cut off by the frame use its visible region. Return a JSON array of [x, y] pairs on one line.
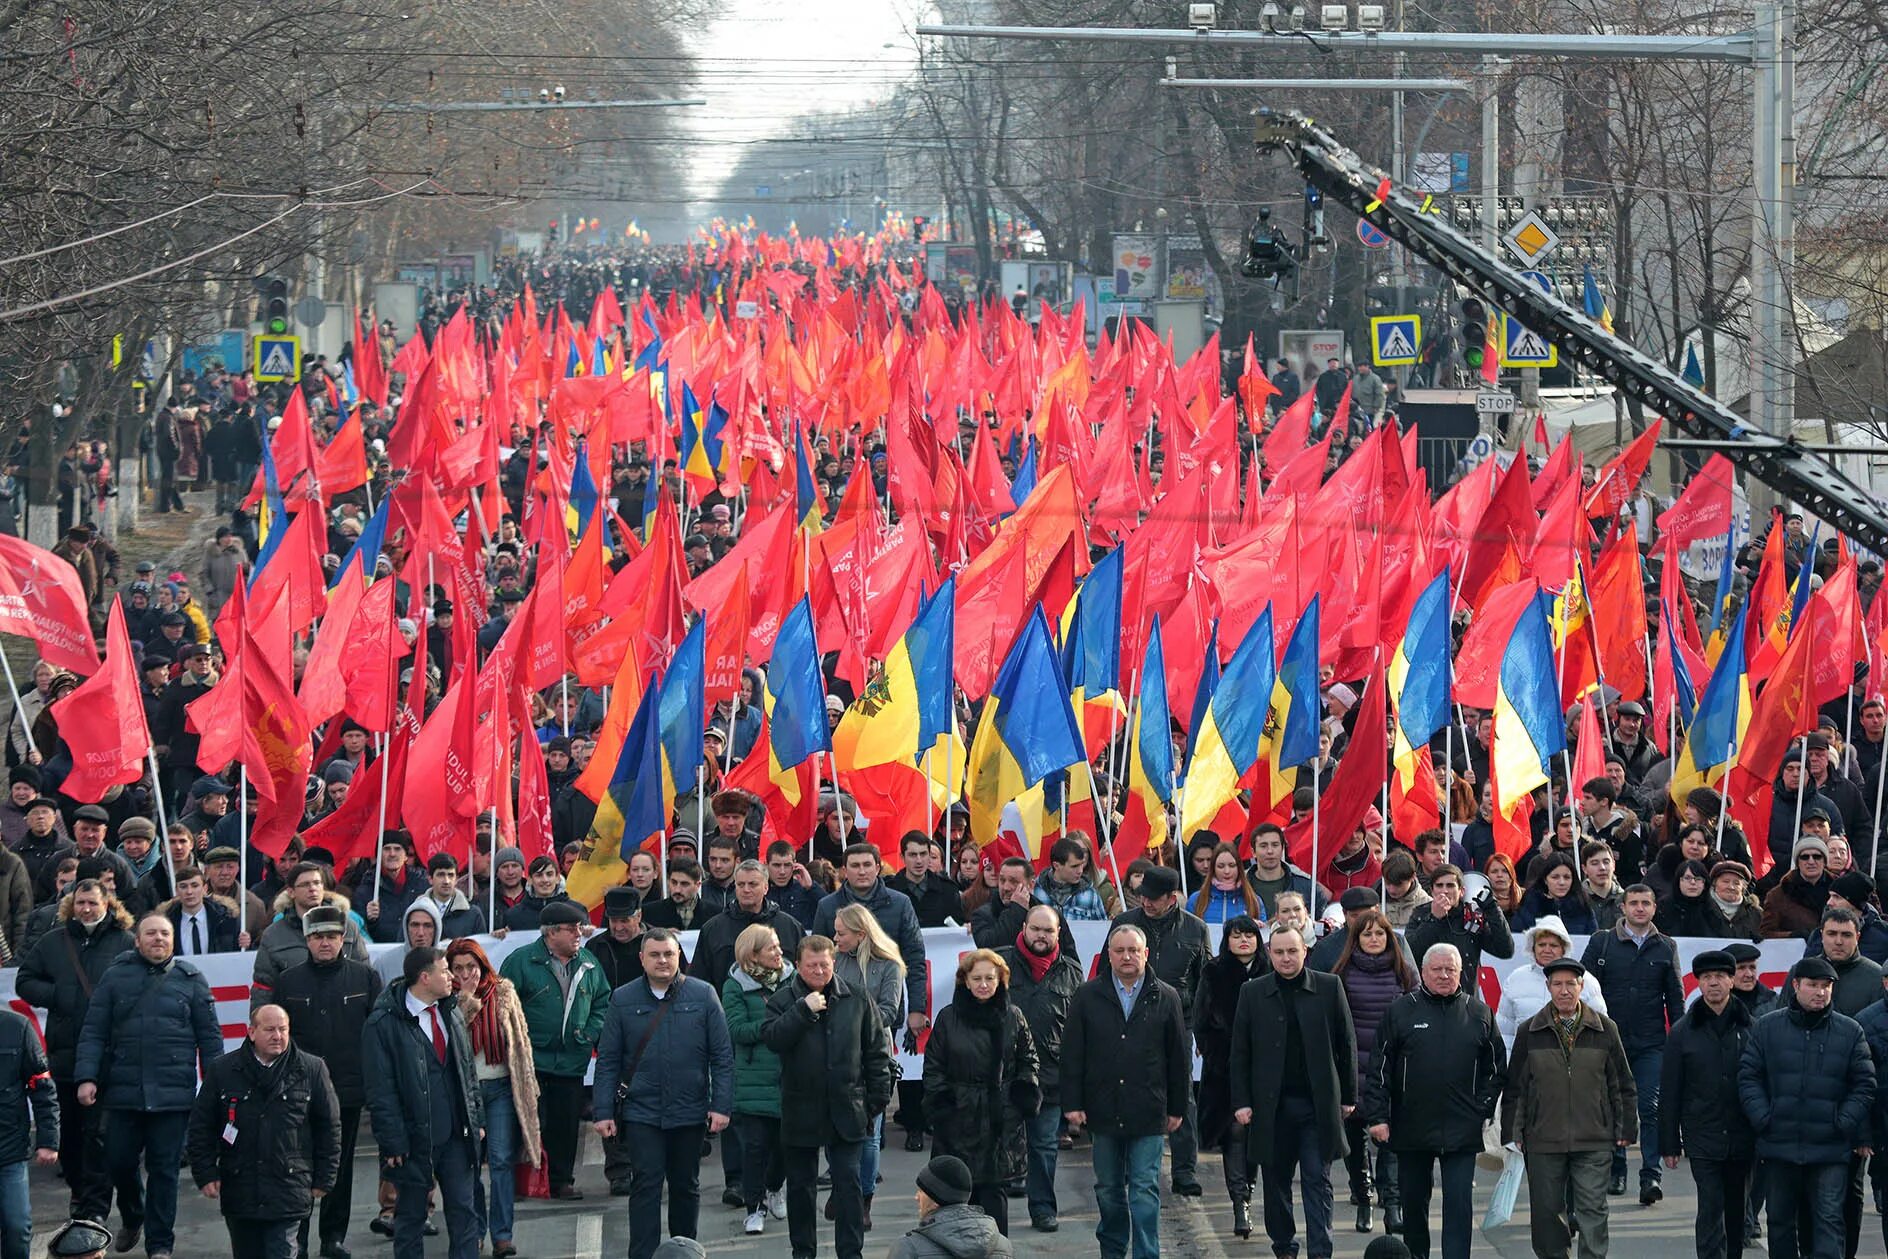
[[918, 223], [1474, 332], [274, 304], [1268, 250]]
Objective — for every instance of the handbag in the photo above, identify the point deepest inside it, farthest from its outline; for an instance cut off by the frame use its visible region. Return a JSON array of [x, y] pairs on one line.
[[635, 1060], [1507, 1189]]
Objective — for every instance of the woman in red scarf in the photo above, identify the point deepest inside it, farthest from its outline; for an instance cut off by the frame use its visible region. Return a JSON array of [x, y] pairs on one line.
[[501, 1058]]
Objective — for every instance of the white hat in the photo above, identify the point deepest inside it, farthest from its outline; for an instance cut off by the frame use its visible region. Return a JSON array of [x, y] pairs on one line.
[[1549, 924]]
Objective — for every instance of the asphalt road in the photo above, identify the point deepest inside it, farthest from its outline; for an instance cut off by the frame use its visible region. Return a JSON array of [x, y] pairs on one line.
[[1200, 1227]]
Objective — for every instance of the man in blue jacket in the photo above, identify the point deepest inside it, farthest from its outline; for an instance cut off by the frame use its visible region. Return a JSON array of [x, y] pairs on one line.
[[895, 913], [29, 1128], [150, 1025], [1808, 1086], [1636, 966], [665, 1075]]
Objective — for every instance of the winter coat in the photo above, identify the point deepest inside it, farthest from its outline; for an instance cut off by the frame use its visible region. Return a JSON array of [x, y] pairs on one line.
[[1699, 1113], [288, 1134], [1436, 1073], [457, 918], [997, 924], [894, 913], [621, 959], [520, 1068], [62, 971], [1128, 1075], [328, 1004], [664, 912], [1794, 906], [980, 1085], [665, 1087], [283, 945], [16, 902], [145, 1032], [1472, 927], [1371, 987], [1221, 906], [1553, 1106], [714, 947], [1524, 994], [525, 914], [800, 903], [1874, 938], [564, 1029], [226, 924], [1536, 904], [1258, 1057], [1807, 1085], [880, 981], [1177, 948], [1078, 902], [960, 1231], [1874, 1024], [1213, 1008], [1045, 1008], [934, 901], [395, 1051], [756, 1067], [395, 898], [29, 1102], [1643, 993], [835, 1068], [1858, 985]]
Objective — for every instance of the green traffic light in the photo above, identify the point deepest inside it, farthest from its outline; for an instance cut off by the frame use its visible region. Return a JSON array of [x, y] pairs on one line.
[[278, 325]]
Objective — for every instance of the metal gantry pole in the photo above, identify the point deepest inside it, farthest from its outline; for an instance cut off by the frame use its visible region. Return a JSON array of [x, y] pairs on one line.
[[1766, 324]]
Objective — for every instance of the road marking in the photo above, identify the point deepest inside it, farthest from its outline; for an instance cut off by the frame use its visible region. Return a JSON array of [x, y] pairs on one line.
[[587, 1239]]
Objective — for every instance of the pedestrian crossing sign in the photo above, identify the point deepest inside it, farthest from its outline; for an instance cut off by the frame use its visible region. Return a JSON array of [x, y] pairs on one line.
[[278, 359], [1394, 339], [1521, 346]]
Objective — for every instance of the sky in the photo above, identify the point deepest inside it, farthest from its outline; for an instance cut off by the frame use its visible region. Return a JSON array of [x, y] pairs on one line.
[[769, 61]]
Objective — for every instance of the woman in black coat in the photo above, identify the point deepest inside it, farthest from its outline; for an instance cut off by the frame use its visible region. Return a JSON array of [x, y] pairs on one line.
[[980, 1081], [1241, 958], [1687, 911]]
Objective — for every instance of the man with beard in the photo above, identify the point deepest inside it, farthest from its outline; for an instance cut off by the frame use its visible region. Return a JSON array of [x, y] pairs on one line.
[[1043, 979]]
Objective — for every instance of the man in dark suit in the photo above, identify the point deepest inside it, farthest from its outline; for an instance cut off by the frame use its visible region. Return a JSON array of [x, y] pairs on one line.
[[1294, 1083]]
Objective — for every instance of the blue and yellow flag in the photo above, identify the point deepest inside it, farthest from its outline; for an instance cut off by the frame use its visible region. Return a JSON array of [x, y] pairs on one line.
[[797, 692], [582, 502], [1717, 728], [1091, 656], [1027, 732], [367, 547], [1595, 302], [632, 809], [271, 515], [1024, 482], [1529, 728], [1291, 732], [681, 715], [1150, 759], [1208, 683], [805, 492], [1419, 675], [1226, 740]]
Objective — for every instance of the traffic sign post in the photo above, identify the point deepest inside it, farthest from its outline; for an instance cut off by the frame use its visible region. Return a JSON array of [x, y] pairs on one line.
[[1530, 238], [1395, 340], [1521, 346], [277, 358], [1369, 236]]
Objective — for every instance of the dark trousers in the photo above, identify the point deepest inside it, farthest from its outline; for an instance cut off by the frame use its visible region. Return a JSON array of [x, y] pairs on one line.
[[993, 1199], [560, 1111], [1296, 1148], [145, 1150], [1808, 1192], [1358, 1160], [1184, 1144], [733, 1156], [763, 1168], [661, 1156], [333, 1211], [1415, 1171], [1852, 1199], [1241, 1172], [82, 1154], [911, 1106], [260, 1239], [1722, 1186], [616, 1162], [456, 1169], [803, 1199], [1647, 1068], [1560, 1186]]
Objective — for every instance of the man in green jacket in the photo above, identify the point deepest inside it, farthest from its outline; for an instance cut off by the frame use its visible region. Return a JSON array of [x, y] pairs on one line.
[[565, 998]]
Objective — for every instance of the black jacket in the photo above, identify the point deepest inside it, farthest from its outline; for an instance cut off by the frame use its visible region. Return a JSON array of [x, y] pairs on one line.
[[1807, 1085], [288, 1133], [328, 1004], [621, 960], [1177, 948], [980, 1085], [1699, 1113], [663, 913], [996, 924], [394, 1050], [714, 947], [1128, 1074], [29, 1104], [1259, 1035], [524, 915], [1640, 983], [1045, 1007], [1473, 927], [147, 1032], [60, 973], [935, 901], [835, 1067], [1437, 1072], [1214, 1006], [226, 923]]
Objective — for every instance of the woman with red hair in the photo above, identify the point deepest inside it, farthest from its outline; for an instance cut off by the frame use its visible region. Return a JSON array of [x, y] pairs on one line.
[[501, 1058]]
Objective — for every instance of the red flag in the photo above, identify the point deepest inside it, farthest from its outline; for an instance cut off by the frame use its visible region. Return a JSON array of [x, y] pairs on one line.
[[1617, 600], [353, 830], [372, 644], [370, 374], [725, 650], [342, 464], [41, 598], [443, 775], [545, 659], [1357, 783], [1619, 479], [1703, 510], [1289, 434], [102, 722], [323, 690], [534, 800], [1589, 755]]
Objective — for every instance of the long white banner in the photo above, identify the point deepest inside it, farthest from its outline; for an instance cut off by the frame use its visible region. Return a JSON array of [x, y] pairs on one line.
[[229, 973]]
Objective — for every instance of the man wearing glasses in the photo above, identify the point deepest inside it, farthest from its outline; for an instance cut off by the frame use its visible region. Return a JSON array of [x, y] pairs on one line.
[[1794, 906]]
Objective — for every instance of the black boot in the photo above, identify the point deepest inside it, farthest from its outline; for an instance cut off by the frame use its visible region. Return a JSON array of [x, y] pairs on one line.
[[1393, 1218], [1365, 1222], [1242, 1217]]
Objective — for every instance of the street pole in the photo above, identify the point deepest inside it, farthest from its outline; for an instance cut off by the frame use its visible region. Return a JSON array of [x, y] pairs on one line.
[[1766, 324], [1490, 75]]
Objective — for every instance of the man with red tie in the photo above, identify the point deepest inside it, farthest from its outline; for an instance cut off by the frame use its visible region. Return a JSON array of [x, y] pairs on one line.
[[428, 1112]]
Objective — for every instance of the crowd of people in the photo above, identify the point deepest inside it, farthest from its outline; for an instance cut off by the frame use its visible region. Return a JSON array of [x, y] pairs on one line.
[[751, 995]]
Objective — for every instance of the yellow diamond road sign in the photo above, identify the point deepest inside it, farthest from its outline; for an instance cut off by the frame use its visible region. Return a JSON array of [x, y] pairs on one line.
[[1531, 239]]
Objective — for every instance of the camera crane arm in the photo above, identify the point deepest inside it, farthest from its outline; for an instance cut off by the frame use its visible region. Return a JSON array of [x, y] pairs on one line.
[[1782, 464]]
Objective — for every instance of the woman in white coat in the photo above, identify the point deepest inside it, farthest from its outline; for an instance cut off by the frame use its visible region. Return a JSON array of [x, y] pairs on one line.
[[1524, 991]]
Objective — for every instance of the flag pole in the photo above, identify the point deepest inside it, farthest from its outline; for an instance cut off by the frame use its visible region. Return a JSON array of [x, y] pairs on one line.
[[1316, 797], [242, 823], [385, 743], [1089, 767], [157, 798], [19, 713]]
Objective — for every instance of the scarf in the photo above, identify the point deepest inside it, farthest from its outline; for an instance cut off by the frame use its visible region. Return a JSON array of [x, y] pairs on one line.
[[768, 979], [1727, 908], [1037, 966], [1564, 1030], [488, 1037], [1225, 885]]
